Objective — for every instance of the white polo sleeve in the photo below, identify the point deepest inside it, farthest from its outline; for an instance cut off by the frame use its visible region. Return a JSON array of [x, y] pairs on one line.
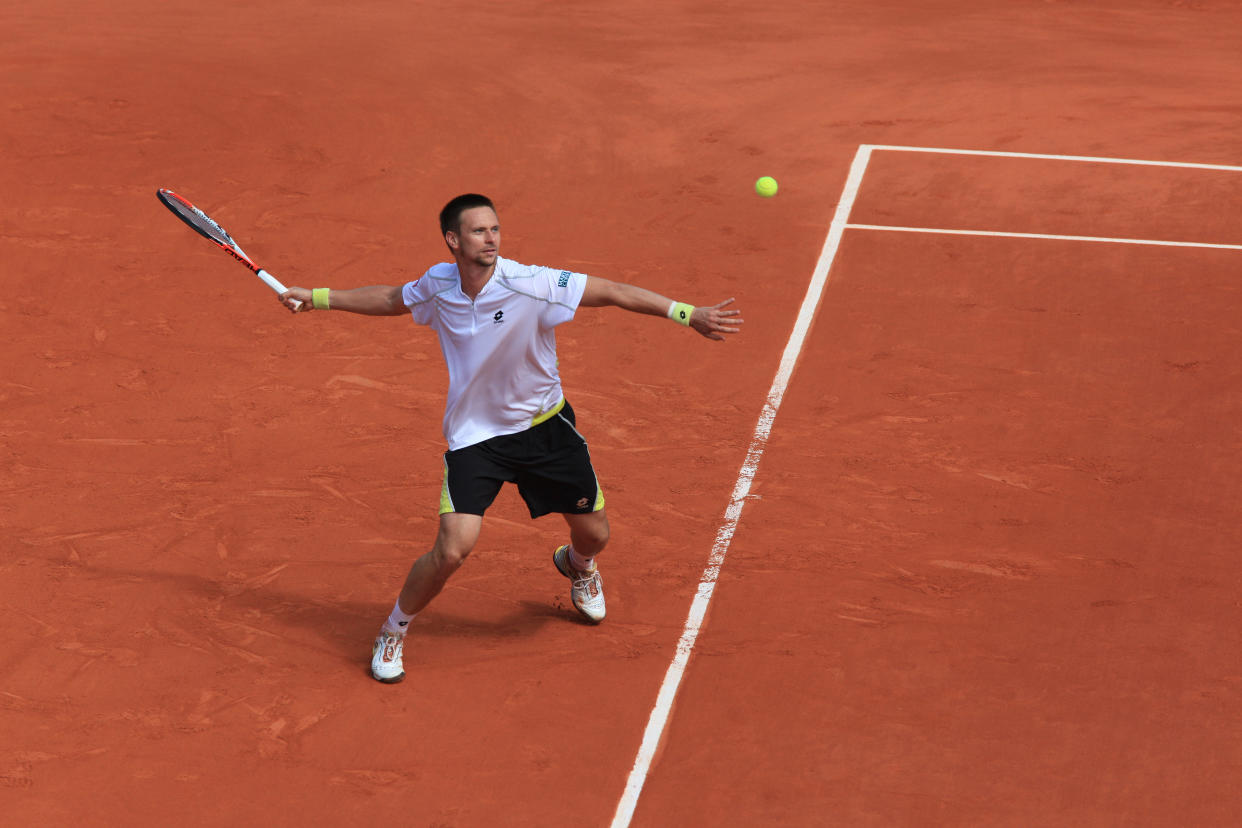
[[561, 291], [419, 296]]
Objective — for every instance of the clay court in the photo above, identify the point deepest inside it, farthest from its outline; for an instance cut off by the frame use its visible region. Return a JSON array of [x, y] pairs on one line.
[[959, 504]]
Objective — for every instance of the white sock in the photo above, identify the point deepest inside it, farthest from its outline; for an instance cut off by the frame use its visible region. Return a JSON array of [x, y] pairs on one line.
[[398, 622], [580, 563]]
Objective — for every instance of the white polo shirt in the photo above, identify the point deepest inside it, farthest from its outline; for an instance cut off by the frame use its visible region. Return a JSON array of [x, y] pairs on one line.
[[500, 348]]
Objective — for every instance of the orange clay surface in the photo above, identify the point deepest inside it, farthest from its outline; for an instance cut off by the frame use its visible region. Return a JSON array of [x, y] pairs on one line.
[[989, 574]]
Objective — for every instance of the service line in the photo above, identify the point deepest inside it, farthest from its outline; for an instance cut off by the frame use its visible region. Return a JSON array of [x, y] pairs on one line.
[[741, 490], [946, 232], [1039, 156]]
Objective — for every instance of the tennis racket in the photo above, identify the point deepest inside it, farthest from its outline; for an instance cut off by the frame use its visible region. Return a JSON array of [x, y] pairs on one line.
[[203, 224]]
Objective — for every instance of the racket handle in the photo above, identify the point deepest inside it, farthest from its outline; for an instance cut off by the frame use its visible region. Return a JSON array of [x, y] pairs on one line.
[[274, 283], [271, 281]]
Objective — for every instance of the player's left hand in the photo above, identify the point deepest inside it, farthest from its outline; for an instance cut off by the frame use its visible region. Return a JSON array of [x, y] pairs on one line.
[[712, 322]]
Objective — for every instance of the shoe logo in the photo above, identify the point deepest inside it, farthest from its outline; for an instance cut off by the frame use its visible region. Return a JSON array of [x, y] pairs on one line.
[[402, 623], [499, 317]]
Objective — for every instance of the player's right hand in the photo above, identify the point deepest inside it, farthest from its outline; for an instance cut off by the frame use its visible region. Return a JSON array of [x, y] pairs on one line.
[[291, 297]]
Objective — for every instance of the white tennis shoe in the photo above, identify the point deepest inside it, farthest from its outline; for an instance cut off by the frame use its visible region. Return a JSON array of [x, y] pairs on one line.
[[587, 590], [386, 663]]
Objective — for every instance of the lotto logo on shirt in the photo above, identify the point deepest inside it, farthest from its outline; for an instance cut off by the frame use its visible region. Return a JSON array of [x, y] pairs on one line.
[[563, 281], [498, 317]]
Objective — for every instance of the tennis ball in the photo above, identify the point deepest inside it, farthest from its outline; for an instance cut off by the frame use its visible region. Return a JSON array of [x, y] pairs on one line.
[[766, 186]]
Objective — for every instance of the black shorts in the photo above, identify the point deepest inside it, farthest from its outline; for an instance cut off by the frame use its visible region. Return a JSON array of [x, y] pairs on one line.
[[549, 463]]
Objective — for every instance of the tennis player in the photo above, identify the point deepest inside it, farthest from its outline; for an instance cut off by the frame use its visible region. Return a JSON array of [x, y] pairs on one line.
[[506, 419]]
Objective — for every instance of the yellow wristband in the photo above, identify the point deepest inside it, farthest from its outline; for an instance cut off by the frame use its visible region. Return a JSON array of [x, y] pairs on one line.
[[319, 299], [680, 312]]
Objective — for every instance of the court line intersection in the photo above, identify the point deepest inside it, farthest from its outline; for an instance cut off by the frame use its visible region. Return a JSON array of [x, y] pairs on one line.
[[660, 713]]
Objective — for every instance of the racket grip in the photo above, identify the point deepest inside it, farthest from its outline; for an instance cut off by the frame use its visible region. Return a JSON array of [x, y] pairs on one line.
[[274, 283], [271, 281]]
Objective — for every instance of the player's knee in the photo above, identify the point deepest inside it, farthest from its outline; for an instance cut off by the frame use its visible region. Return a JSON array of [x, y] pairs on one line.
[[591, 538], [454, 541], [600, 536], [450, 557]]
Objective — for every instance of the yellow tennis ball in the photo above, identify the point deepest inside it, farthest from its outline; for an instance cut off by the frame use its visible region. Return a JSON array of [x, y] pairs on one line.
[[766, 186]]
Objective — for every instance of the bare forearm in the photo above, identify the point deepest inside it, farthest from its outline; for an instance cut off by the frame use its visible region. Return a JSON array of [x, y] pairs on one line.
[[375, 300], [602, 292], [710, 321]]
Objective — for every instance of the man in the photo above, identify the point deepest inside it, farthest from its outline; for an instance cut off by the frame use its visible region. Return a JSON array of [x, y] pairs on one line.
[[505, 419]]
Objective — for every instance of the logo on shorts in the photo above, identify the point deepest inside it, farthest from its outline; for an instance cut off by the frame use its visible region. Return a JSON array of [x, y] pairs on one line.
[[498, 317], [563, 281], [582, 502]]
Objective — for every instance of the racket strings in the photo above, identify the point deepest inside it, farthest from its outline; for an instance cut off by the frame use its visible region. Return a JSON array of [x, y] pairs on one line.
[[196, 218]]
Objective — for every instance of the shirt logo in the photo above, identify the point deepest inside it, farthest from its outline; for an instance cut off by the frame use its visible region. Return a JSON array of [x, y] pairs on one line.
[[498, 317], [563, 281]]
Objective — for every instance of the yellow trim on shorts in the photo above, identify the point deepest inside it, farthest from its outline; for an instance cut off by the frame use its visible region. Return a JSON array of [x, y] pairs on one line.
[[599, 496], [549, 414], [446, 501]]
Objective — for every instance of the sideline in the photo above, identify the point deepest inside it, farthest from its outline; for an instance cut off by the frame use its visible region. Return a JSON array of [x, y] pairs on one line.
[[793, 348], [724, 536]]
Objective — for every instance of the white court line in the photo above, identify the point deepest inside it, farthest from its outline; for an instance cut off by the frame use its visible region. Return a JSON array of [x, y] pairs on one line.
[[724, 536], [1044, 157], [741, 490], [941, 231]]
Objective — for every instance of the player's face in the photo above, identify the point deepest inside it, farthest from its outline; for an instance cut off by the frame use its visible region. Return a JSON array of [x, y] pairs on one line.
[[478, 240]]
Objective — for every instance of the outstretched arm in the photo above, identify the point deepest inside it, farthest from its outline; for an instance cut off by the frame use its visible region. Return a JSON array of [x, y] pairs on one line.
[[377, 300], [711, 321]]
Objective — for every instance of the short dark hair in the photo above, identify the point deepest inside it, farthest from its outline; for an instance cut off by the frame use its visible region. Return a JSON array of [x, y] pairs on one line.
[[450, 216]]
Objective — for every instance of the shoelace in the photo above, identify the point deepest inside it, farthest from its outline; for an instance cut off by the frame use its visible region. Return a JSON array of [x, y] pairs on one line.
[[391, 645], [586, 581]]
